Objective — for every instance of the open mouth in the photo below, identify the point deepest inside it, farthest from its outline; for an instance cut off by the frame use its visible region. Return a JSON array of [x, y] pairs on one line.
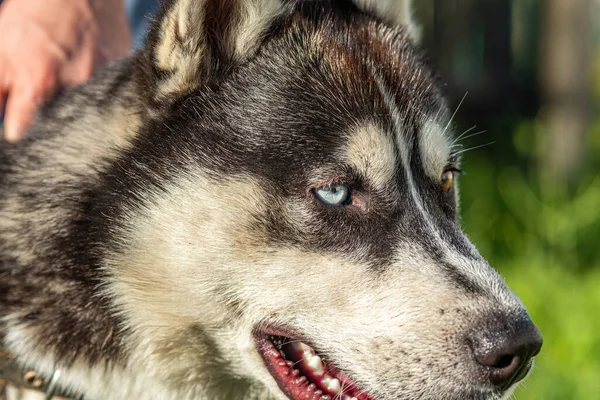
[[302, 374]]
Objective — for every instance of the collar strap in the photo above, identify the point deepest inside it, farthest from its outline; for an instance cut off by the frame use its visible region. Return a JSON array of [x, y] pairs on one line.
[[13, 373]]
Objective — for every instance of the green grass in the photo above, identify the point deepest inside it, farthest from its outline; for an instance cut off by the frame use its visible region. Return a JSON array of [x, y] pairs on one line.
[[565, 307], [545, 239]]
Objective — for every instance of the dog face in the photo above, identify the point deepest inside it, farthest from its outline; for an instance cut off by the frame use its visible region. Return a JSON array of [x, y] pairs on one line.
[[292, 201]]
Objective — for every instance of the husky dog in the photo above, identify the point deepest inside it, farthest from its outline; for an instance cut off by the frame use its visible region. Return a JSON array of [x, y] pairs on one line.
[[259, 205]]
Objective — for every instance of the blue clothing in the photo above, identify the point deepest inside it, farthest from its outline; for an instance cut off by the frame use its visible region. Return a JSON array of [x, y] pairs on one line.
[[139, 12]]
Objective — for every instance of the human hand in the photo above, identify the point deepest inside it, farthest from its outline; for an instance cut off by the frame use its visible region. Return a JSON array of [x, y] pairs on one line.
[[52, 44]]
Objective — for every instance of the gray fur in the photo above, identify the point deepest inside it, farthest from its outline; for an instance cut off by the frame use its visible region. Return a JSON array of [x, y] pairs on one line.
[[160, 215]]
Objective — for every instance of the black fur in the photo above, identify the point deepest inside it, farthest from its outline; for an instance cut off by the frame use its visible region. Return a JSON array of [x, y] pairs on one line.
[[276, 116], [240, 123], [59, 292]]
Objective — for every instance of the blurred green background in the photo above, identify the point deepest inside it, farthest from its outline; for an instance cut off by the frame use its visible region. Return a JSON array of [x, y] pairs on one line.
[[530, 70]]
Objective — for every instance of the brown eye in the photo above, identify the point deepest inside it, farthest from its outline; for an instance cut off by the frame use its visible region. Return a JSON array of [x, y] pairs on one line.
[[447, 180]]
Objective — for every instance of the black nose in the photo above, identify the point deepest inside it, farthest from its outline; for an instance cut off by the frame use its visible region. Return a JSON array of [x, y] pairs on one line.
[[503, 348]]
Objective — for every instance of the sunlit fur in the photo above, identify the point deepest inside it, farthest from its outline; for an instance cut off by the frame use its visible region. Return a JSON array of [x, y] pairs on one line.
[[159, 215]]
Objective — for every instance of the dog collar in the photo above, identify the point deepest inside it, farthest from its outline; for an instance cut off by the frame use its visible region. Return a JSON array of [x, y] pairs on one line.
[[14, 374]]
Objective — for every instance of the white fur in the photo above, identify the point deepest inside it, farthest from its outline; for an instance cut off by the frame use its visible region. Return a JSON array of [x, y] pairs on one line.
[[398, 12], [184, 59], [195, 272], [435, 146], [371, 152], [193, 296]]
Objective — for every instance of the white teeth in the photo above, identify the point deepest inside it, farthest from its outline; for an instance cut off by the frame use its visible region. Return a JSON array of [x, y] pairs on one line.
[[334, 385], [304, 349], [316, 365], [308, 353], [299, 346]]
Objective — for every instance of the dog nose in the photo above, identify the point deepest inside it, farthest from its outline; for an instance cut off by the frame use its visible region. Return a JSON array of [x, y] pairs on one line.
[[503, 349]]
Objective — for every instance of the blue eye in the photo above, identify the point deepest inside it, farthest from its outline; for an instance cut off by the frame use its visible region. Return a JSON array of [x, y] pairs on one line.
[[333, 195]]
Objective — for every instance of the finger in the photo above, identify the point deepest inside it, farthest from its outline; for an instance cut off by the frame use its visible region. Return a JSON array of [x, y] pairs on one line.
[[21, 108], [26, 97], [80, 67]]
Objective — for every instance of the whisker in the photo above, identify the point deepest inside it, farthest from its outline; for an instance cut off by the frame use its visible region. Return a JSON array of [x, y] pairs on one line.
[[290, 341], [472, 148], [294, 364], [474, 134], [344, 385], [455, 111], [463, 134]]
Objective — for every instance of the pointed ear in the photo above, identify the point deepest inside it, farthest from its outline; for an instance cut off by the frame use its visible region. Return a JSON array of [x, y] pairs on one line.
[[398, 12], [194, 41]]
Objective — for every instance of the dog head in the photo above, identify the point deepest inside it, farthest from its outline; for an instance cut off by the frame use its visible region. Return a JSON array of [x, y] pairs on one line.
[[291, 217]]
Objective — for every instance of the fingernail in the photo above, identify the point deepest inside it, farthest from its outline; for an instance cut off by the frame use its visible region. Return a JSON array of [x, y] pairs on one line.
[[12, 133]]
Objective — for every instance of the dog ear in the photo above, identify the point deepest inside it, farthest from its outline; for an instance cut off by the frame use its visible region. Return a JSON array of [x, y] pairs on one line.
[[398, 12], [195, 41]]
